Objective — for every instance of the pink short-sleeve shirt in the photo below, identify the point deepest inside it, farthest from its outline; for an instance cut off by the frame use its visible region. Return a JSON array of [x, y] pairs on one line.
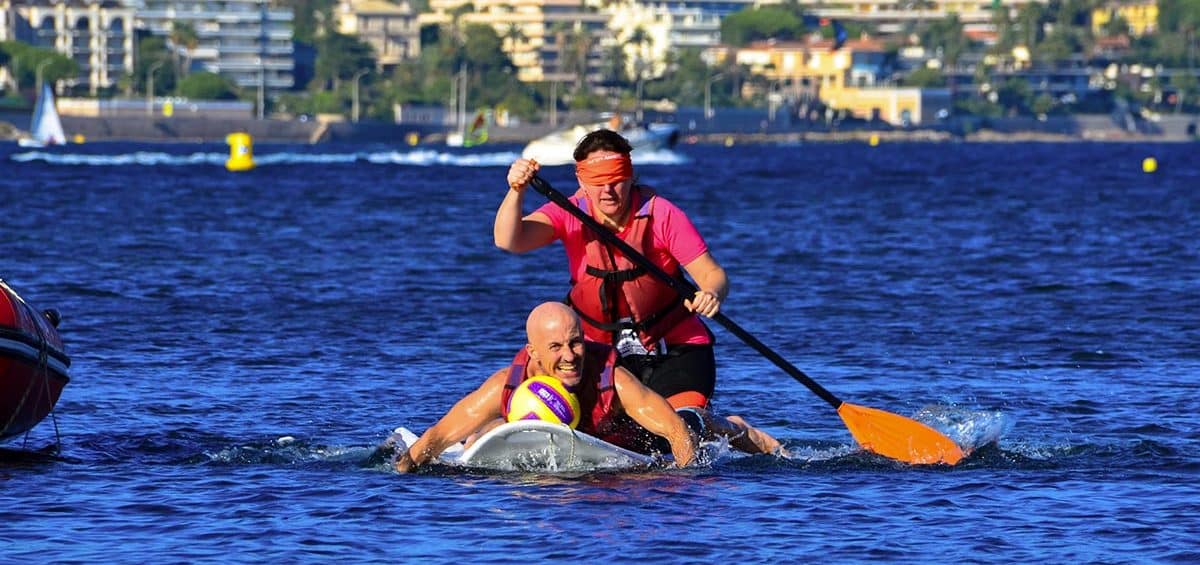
[[675, 241]]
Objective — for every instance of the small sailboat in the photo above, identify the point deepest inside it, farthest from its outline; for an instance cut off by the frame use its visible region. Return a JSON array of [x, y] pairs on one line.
[[46, 128]]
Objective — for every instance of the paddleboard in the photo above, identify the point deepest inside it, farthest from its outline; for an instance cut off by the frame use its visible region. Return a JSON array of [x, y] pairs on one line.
[[537, 446]]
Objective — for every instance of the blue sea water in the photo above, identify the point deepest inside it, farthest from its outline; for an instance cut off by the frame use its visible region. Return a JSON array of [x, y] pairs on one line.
[[242, 341]]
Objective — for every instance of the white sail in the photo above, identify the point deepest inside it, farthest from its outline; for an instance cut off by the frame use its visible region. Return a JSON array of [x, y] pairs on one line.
[[46, 128]]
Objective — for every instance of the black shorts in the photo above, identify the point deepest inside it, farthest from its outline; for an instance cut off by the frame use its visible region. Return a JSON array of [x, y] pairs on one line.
[[683, 368]]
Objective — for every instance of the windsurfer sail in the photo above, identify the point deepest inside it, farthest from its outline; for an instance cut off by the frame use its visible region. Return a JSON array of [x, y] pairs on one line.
[[477, 133]]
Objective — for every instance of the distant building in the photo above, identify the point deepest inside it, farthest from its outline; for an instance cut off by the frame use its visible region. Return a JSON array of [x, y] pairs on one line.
[[96, 34], [390, 29], [547, 40], [246, 41], [893, 16], [805, 76], [1140, 16], [669, 25]]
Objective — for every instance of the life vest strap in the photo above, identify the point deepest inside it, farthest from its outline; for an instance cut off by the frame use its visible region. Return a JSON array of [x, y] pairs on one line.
[[625, 323], [620, 276]]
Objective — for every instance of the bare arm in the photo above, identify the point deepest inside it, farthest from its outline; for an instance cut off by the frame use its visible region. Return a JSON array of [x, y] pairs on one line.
[[713, 285], [511, 231], [653, 412], [469, 414]]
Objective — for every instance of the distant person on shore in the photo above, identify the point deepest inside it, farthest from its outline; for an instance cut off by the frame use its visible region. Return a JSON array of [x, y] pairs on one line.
[[616, 407], [658, 334]]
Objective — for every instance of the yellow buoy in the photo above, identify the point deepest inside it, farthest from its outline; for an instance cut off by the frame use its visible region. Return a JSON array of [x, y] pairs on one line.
[[168, 109], [79, 138], [873, 140], [729, 141], [412, 138], [1149, 165], [241, 154]]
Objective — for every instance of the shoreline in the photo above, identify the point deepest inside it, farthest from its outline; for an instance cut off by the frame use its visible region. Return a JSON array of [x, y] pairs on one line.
[[1170, 129]]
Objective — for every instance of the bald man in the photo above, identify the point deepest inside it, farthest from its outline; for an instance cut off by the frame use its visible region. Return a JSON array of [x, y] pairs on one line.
[[616, 406]]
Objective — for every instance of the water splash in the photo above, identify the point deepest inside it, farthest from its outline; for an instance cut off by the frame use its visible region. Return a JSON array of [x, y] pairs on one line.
[[970, 429], [283, 451]]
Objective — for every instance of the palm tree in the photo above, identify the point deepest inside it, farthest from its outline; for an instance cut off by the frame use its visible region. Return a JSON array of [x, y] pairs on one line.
[[640, 40], [513, 36], [183, 37], [579, 46]]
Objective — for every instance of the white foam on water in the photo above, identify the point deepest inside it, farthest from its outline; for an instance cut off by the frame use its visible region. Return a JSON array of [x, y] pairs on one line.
[[970, 429], [659, 157], [414, 157], [143, 158]]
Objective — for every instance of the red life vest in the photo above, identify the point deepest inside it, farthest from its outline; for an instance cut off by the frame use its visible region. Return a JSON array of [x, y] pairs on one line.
[[613, 287], [596, 391]]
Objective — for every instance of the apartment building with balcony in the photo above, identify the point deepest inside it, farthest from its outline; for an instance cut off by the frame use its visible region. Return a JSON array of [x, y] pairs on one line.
[[96, 34], [669, 26], [539, 36], [390, 29], [246, 41]]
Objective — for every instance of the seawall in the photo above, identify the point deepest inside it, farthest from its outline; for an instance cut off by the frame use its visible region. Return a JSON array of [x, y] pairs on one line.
[[725, 126]]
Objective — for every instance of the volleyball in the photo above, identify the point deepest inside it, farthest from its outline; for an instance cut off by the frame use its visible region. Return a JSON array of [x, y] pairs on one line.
[[544, 398]]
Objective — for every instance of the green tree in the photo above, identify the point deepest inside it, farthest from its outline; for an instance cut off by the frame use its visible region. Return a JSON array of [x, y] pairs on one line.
[[207, 86], [1042, 104], [578, 48], [1187, 87], [1029, 25], [184, 38], [925, 77], [339, 57], [1014, 95], [1178, 15], [754, 24], [613, 68], [686, 80], [153, 55], [513, 36], [1115, 26], [23, 60], [428, 80], [311, 19], [483, 48]]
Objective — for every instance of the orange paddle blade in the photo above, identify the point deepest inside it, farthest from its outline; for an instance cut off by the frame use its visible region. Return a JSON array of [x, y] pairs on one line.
[[897, 437]]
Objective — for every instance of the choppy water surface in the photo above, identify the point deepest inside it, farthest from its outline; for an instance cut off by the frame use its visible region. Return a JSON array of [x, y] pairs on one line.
[[242, 341]]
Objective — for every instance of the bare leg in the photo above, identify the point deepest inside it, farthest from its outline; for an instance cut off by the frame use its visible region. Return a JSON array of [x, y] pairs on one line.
[[751, 439], [741, 435]]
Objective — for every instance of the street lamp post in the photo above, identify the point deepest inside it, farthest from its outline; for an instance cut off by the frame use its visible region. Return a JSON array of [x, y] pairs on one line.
[[708, 112], [14, 65], [554, 103], [150, 87], [354, 110]]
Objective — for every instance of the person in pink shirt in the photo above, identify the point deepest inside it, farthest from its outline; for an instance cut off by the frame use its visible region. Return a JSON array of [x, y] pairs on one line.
[[658, 334]]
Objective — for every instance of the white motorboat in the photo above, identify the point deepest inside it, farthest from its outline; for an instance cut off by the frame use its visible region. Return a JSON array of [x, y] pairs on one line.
[[557, 148]]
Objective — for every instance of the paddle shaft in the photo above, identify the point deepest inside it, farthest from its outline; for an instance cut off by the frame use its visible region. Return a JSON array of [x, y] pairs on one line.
[[683, 287]]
